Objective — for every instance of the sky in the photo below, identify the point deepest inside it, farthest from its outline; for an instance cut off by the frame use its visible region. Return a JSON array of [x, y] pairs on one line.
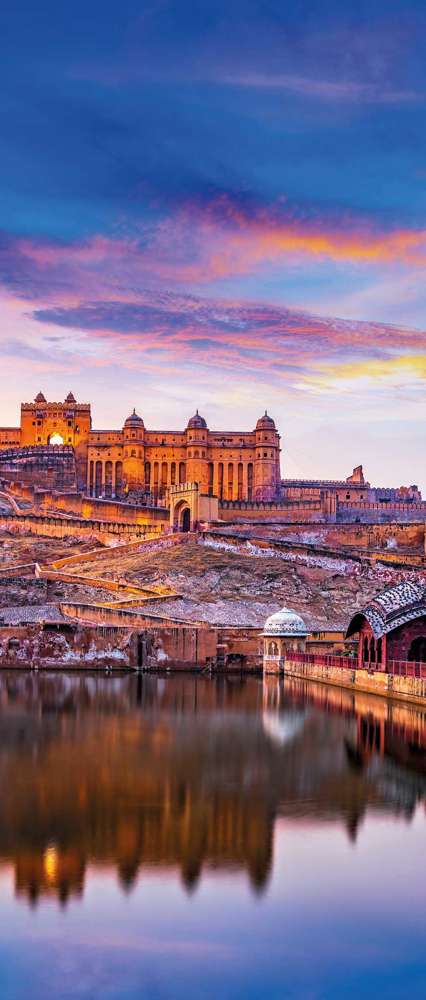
[[220, 205]]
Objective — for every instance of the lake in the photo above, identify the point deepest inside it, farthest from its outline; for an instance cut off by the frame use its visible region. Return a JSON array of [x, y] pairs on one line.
[[187, 837]]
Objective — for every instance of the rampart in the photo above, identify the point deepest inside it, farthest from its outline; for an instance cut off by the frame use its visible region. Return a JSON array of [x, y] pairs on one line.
[[325, 510], [55, 526]]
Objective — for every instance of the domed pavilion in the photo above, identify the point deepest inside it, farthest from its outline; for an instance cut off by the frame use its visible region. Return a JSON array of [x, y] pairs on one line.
[[284, 632]]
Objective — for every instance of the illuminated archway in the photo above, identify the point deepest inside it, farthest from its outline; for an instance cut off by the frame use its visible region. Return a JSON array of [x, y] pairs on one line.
[[56, 439]]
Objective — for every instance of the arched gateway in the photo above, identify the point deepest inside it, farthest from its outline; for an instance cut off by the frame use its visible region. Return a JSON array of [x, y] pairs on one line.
[[189, 507]]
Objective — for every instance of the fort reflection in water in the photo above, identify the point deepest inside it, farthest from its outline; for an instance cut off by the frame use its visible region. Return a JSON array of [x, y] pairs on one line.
[[136, 773]]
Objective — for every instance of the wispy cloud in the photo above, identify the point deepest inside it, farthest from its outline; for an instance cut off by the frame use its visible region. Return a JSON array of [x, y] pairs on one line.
[[351, 91]]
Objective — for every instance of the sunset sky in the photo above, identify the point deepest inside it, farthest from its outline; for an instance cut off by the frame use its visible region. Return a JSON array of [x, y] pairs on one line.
[[220, 205]]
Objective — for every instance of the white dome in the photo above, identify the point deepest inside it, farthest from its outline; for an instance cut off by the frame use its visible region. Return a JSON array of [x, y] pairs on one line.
[[285, 622]]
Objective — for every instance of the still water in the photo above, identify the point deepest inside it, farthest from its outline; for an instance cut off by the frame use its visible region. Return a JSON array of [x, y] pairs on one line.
[[181, 838]]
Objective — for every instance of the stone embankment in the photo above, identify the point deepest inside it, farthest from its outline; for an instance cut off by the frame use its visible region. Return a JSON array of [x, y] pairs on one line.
[[390, 685]]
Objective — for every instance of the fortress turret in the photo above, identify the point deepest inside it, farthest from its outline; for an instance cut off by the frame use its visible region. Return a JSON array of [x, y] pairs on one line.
[[267, 462], [134, 451], [196, 454]]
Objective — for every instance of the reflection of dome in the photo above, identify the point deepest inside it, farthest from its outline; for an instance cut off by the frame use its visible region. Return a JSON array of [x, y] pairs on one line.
[[197, 422], [285, 622], [283, 727], [134, 420], [40, 398], [265, 423], [70, 398]]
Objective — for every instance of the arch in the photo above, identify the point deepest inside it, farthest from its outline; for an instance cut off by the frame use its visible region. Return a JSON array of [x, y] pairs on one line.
[[108, 478], [186, 519], [98, 479], [240, 480], [210, 478], [156, 472], [182, 516], [372, 650], [147, 476], [182, 472], [366, 649], [250, 481], [118, 478], [220, 480], [230, 480], [273, 648], [56, 439], [417, 650]]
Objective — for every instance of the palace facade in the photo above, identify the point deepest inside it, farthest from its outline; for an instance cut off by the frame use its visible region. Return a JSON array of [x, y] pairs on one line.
[[232, 465]]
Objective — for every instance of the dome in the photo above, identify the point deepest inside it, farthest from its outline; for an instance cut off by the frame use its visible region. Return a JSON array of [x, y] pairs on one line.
[[70, 398], [134, 420], [285, 622], [197, 422], [40, 398], [265, 423]]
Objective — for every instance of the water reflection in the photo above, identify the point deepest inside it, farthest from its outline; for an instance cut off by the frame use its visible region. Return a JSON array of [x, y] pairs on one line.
[[188, 774]]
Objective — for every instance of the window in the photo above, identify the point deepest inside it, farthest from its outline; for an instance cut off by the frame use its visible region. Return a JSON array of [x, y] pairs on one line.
[[220, 479], [250, 480], [240, 480]]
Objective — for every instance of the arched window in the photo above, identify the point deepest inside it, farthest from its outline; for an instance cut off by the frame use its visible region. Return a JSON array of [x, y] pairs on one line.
[[182, 472], [98, 479], [118, 478], [273, 649], [379, 650], [211, 473], [108, 479], [173, 474], [220, 480], [417, 651], [230, 480], [250, 481], [366, 650], [240, 480], [372, 650], [147, 476]]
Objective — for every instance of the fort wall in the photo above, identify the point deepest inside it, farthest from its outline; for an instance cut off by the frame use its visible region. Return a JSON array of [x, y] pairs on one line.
[[53, 526]]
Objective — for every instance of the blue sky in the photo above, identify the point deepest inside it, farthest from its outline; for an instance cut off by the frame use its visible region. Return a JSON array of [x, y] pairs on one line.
[[220, 205]]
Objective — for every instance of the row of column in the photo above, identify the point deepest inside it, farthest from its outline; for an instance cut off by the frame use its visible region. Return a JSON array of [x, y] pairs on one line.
[[227, 480], [231, 480]]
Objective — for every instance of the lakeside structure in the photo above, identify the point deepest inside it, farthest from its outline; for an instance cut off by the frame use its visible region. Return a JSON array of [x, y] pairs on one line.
[[391, 654]]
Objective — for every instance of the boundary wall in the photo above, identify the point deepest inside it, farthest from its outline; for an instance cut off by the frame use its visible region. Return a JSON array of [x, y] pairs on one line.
[[407, 688]]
